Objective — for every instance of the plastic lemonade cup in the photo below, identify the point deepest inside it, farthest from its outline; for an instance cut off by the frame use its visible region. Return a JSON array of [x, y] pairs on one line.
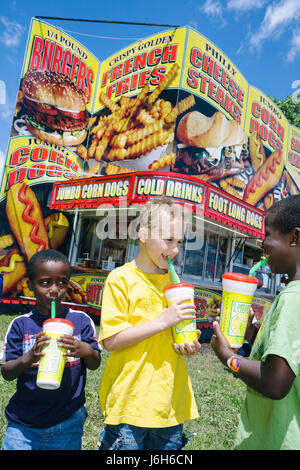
[[238, 291], [51, 365], [185, 331]]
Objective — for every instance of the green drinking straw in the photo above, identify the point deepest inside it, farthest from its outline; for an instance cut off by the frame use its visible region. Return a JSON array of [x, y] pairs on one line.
[[53, 309], [258, 265], [173, 272]]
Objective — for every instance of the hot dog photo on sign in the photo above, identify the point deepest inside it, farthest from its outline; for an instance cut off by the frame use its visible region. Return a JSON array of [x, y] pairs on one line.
[[27, 232]]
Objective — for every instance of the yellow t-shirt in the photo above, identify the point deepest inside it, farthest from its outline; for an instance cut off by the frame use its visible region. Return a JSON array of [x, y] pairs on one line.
[[146, 384]]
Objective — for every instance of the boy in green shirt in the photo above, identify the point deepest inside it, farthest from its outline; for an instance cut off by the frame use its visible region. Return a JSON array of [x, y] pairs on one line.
[[270, 418]]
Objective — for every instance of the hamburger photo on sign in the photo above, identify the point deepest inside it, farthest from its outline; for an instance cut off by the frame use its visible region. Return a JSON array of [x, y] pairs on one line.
[[51, 108]]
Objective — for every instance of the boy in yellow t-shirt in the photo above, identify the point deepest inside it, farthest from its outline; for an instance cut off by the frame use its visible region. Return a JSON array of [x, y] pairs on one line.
[[145, 391]]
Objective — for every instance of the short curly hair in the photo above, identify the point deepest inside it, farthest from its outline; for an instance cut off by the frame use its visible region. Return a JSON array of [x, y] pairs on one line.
[[286, 213], [44, 256]]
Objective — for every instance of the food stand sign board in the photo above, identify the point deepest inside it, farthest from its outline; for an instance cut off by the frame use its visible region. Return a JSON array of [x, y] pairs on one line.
[[87, 289], [268, 129], [34, 162], [293, 160], [177, 103], [53, 109], [231, 211], [171, 103], [50, 48], [92, 192], [147, 62], [207, 302], [266, 119], [210, 74], [135, 188]]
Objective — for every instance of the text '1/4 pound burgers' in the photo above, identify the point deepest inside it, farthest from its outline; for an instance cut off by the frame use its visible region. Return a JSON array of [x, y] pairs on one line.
[[55, 107]]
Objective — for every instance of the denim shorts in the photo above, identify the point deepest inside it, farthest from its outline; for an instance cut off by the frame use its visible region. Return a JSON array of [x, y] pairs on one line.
[[63, 436], [128, 437]]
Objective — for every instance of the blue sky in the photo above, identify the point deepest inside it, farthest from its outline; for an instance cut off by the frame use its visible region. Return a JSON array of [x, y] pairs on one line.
[[261, 37]]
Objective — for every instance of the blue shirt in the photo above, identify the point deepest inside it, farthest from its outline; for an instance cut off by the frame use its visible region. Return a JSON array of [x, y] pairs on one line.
[[36, 407]]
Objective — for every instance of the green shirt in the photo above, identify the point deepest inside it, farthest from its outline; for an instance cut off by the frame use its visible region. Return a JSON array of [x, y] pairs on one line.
[[266, 423]]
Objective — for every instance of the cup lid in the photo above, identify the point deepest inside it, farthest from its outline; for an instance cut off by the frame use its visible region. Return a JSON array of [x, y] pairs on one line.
[[240, 277], [179, 284], [59, 320]]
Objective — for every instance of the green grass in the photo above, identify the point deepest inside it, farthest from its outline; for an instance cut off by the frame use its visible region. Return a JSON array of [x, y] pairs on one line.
[[219, 396]]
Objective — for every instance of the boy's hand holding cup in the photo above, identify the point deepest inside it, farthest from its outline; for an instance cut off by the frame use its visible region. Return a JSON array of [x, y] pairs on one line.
[[220, 344], [73, 346], [36, 351], [179, 310], [182, 312]]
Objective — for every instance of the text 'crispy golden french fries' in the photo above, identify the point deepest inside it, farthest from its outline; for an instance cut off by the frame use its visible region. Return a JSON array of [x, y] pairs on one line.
[[135, 126]]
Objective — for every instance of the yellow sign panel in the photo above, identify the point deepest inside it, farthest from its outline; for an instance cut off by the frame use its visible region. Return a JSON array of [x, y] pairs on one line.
[[86, 289], [33, 161], [52, 114], [209, 74], [49, 48], [207, 302], [293, 157], [266, 119], [145, 62]]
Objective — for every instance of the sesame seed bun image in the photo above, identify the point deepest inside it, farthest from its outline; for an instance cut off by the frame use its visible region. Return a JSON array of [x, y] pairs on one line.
[[55, 108]]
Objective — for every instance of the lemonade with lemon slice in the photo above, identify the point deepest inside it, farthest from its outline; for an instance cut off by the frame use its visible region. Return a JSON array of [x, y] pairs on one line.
[[238, 291], [185, 331]]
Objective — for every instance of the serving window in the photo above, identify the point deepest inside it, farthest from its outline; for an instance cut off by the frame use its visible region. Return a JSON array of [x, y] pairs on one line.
[[96, 251], [207, 262], [216, 253]]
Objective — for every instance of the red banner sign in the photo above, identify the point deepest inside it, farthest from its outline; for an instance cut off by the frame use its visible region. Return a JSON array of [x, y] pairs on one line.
[[140, 186], [231, 211]]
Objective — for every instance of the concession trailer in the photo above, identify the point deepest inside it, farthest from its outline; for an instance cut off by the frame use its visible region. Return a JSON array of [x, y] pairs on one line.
[[91, 142]]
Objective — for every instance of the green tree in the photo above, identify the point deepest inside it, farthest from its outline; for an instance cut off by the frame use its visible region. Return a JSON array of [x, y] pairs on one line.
[[290, 109]]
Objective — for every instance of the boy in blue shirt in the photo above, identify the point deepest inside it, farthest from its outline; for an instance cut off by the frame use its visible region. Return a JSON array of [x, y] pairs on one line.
[[40, 419]]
